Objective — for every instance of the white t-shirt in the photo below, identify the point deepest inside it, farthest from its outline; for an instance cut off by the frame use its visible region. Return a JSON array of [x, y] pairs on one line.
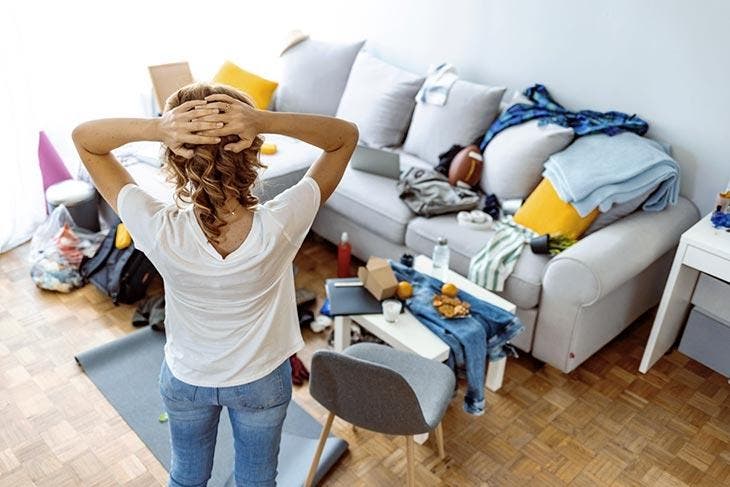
[[228, 321]]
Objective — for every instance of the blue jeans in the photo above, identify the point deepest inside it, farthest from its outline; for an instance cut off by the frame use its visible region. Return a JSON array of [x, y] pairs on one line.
[[472, 339], [257, 412]]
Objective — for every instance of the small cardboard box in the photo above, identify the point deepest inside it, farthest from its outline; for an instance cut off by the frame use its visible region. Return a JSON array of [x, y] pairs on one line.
[[378, 278]]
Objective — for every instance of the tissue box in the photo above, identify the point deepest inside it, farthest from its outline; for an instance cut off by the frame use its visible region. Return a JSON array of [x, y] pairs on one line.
[[378, 278]]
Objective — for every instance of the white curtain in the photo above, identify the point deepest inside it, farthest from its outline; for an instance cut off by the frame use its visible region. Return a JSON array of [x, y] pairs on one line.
[[21, 189], [62, 63]]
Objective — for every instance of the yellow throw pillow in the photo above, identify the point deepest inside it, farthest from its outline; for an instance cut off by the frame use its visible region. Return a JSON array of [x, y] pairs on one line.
[[544, 212], [258, 88]]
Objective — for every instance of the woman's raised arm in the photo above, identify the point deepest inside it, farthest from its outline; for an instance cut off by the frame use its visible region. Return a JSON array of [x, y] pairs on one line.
[[337, 138], [96, 139]]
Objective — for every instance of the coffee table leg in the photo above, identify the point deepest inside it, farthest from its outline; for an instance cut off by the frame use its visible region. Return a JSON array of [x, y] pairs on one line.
[[342, 332], [420, 439], [495, 374]]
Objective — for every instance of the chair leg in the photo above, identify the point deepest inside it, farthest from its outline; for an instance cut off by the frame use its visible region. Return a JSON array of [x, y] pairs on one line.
[[410, 446], [318, 453], [440, 440]]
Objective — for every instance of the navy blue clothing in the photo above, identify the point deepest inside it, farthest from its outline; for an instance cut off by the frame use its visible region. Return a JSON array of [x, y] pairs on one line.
[[471, 339], [547, 110]]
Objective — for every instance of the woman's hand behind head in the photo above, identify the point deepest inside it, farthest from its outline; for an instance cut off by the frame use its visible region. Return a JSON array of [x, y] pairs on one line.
[[238, 118], [183, 124]]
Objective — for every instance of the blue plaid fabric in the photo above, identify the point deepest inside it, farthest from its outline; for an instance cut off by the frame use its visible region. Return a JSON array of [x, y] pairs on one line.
[[548, 110]]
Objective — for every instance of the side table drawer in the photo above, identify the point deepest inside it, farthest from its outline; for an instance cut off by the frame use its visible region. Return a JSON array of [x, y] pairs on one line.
[[707, 263], [706, 340]]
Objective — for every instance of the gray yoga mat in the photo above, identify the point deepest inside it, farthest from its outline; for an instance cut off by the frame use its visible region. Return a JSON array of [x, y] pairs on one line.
[[126, 371]]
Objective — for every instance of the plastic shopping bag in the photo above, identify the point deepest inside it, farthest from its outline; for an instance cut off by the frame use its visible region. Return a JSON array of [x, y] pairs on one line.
[[56, 251]]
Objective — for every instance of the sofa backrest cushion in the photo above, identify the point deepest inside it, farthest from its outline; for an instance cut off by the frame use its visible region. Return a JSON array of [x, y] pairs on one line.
[[514, 158], [469, 111], [313, 77], [379, 98]]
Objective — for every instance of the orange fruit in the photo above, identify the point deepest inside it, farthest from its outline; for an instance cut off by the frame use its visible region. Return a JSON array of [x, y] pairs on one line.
[[450, 289], [405, 290]]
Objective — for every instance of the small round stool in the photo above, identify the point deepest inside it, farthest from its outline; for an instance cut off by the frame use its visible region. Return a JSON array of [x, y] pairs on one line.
[[79, 198]]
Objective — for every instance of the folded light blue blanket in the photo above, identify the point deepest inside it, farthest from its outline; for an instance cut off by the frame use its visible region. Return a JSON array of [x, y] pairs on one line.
[[598, 171]]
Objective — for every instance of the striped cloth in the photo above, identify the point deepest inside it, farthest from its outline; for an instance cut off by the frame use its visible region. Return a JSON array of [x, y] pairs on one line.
[[492, 265]]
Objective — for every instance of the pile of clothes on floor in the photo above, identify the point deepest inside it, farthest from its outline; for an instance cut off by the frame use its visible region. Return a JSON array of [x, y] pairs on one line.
[[56, 250]]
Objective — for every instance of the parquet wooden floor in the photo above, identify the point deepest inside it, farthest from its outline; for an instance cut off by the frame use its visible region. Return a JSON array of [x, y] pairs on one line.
[[604, 424]]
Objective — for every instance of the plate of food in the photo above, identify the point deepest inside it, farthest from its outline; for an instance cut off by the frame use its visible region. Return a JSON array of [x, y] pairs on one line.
[[448, 304]]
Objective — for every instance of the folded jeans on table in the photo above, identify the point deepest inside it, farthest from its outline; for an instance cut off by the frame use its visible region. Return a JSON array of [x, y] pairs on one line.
[[472, 339]]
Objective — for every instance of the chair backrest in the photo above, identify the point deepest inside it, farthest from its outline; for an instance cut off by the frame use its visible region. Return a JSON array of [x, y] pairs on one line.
[[365, 394]]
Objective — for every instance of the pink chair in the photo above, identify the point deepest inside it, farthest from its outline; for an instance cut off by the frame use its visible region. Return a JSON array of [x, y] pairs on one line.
[[53, 170]]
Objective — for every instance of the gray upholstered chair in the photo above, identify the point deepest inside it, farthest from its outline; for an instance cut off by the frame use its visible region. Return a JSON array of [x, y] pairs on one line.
[[384, 390]]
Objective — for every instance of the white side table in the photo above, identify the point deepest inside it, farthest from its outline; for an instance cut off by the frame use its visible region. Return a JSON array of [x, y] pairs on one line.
[[702, 248]]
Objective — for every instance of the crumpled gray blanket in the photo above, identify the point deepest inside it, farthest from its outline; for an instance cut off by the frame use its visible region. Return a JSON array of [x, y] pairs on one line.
[[428, 193]]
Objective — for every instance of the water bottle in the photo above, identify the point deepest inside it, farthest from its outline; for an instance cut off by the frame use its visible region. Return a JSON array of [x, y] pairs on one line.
[[441, 259]]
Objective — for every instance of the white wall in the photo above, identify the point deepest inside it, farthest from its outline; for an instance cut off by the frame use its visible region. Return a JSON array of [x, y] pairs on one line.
[[665, 60]]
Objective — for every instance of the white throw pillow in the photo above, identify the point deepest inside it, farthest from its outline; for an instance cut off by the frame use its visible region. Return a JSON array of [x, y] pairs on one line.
[[469, 111], [379, 98], [314, 75], [514, 158]]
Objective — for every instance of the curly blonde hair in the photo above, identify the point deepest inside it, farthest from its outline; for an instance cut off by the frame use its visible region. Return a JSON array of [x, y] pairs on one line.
[[213, 175]]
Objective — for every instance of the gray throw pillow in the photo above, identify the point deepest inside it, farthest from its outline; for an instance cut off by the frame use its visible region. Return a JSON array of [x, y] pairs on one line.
[[619, 211], [379, 98], [469, 111], [314, 75]]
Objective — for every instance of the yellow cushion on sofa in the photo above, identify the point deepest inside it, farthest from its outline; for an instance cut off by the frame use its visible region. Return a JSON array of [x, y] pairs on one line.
[[544, 212], [258, 88]]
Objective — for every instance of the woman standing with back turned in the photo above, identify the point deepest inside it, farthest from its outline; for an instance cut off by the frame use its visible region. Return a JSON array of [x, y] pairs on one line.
[[226, 260]]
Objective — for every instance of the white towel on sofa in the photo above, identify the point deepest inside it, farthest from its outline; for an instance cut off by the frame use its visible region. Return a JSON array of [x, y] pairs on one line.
[[438, 83]]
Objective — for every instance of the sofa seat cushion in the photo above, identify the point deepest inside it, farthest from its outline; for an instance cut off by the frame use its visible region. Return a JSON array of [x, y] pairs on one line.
[[285, 167], [523, 286], [372, 202]]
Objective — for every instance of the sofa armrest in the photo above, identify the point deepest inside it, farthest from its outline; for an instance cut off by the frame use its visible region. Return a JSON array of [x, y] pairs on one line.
[[604, 260]]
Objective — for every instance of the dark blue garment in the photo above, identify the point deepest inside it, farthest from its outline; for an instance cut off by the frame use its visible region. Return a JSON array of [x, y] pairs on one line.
[[547, 110], [471, 339]]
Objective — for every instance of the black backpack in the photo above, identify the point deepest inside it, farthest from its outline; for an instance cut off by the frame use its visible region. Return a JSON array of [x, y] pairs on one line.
[[123, 274]]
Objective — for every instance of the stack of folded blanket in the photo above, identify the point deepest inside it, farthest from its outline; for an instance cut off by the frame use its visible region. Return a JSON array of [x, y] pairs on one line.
[[599, 171]]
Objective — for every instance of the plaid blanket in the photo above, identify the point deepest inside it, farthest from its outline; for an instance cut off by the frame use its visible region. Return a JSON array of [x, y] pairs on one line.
[[546, 109]]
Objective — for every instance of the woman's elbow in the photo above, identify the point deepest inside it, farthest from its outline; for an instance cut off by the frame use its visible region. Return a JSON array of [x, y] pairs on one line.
[[79, 134], [352, 134]]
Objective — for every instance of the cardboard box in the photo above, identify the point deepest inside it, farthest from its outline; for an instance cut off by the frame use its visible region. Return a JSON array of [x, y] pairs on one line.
[[167, 79], [378, 278]]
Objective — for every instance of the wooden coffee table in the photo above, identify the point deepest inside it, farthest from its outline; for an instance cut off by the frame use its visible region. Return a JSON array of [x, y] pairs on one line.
[[410, 334]]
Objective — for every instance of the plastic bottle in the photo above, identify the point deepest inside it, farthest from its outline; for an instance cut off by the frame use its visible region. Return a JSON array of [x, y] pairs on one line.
[[344, 255], [441, 258]]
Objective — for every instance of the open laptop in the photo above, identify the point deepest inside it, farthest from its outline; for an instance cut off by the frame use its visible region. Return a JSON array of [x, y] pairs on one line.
[[376, 161]]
